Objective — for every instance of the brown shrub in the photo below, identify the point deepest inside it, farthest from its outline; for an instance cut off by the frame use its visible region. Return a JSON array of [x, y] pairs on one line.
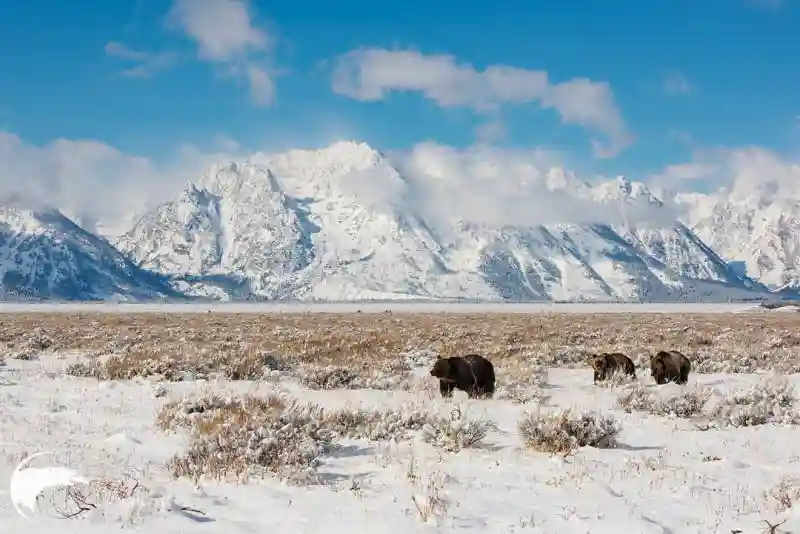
[[233, 344], [273, 435]]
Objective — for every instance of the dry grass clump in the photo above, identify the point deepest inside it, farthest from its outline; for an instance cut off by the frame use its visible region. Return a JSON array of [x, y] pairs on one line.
[[382, 376], [279, 436], [522, 384], [563, 431], [770, 402], [686, 403], [234, 437], [785, 494], [618, 379], [29, 345], [176, 362]]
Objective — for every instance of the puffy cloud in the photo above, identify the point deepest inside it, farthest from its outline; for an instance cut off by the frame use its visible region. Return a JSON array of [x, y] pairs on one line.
[[100, 186], [92, 182], [741, 173], [148, 63], [225, 35], [492, 186], [370, 74]]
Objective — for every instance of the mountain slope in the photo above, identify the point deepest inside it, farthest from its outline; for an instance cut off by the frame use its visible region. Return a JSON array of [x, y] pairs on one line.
[[44, 255], [341, 224], [241, 231], [761, 233]]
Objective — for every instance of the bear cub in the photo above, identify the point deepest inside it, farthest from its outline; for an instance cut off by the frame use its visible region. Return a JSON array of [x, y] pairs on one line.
[[471, 373], [609, 363], [670, 366]]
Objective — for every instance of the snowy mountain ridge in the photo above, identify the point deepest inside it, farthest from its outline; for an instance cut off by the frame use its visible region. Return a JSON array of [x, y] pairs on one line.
[[344, 223], [44, 255], [762, 234], [347, 223]]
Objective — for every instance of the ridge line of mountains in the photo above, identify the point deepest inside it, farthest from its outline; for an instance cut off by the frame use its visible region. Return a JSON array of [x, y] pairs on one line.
[[300, 225]]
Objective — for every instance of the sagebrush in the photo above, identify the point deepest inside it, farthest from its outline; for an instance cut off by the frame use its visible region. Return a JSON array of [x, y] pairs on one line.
[[770, 402], [363, 342], [563, 431], [686, 403], [275, 434]]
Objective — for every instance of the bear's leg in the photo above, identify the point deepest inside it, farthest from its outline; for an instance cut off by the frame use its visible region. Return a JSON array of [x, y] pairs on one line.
[[480, 391], [446, 388], [684, 374]]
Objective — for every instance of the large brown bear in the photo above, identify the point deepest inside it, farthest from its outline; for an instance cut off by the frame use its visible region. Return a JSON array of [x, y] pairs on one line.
[[472, 373], [609, 363], [670, 366]]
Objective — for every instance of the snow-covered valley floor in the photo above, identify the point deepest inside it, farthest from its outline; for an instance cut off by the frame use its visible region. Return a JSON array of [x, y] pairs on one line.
[[665, 475]]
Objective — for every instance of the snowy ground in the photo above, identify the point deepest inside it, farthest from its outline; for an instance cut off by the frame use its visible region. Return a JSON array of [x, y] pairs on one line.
[[375, 307], [667, 475]]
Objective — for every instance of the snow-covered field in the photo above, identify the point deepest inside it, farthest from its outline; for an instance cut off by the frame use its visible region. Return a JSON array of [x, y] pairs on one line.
[[719, 455], [666, 474], [374, 307]]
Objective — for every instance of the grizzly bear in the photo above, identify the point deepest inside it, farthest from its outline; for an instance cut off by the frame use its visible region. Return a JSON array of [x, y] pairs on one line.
[[608, 363], [472, 373], [670, 366]]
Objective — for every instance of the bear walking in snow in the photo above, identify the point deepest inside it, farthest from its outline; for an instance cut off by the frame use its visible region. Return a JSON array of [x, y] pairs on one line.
[[670, 366], [471, 373], [609, 363]]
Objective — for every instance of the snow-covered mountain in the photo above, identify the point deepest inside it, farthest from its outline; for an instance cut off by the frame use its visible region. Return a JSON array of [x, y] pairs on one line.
[[44, 255], [342, 223], [759, 230]]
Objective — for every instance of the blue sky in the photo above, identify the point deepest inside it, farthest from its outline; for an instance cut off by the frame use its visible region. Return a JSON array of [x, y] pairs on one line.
[[681, 75]]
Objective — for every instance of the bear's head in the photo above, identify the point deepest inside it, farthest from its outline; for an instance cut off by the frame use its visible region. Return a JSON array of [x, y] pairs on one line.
[[443, 369], [657, 367], [600, 363]]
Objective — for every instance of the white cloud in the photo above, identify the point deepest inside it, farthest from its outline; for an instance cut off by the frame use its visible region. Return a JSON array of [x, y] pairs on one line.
[[225, 35], [741, 173], [100, 186], [676, 84], [486, 185], [369, 74], [681, 173], [262, 88], [148, 63], [91, 181]]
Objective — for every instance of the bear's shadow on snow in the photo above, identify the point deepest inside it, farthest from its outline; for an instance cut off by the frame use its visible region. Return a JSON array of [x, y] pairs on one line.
[[626, 447], [350, 451], [196, 517], [487, 446], [331, 478]]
